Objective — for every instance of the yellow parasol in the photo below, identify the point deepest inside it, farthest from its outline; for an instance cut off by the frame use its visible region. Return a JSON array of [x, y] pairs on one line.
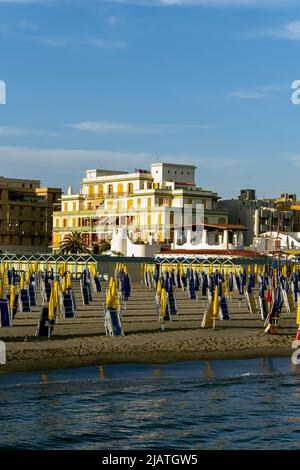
[[69, 281], [28, 277], [158, 288], [298, 313], [215, 311], [51, 307], [163, 302], [22, 281], [12, 299]]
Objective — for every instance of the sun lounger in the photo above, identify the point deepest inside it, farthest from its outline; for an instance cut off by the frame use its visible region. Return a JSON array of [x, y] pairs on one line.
[[24, 301], [68, 304], [46, 291], [263, 306], [32, 295], [288, 300], [172, 303], [45, 326], [97, 284], [251, 302], [224, 309], [5, 314], [207, 321], [112, 322]]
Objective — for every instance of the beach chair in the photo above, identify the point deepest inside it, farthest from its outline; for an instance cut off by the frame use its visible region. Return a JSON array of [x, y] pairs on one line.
[[32, 294], [251, 302], [288, 300], [146, 279], [97, 284], [5, 314], [68, 305], [112, 322], [191, 290], [172, 303], [263, 306], [45, 326], [207, 321], [24, 301], [84, 293], [224, 309], [46, 291]]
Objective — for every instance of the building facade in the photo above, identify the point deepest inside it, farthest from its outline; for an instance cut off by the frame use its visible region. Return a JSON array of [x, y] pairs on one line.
[[259, 215], [149, 204], [26, 215]]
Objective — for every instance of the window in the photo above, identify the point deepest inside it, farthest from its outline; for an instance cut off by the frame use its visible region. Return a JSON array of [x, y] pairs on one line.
[[110, 190], [130, 188], [222, 220], [74, 206]]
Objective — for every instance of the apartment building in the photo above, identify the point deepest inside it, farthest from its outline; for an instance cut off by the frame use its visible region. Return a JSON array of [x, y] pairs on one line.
[[26, 211]]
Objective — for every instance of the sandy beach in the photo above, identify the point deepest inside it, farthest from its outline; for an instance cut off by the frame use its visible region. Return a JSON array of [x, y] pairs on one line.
[[82, 341]]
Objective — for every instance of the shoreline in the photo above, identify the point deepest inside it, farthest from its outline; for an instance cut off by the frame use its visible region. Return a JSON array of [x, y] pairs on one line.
[[47, 356], [81, 341]]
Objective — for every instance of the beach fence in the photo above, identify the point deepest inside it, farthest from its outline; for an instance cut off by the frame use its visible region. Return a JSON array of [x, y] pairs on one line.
[[76, 264]]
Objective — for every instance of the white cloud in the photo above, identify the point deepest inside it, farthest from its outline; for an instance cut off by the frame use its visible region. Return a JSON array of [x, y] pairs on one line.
[[117, 127], [169, 3], [296, 160], [248, 94], [13, 2], [289, 31], [107, 44], [260, 91], [52, 166], [6, 131], [113, 21], [208, 3]]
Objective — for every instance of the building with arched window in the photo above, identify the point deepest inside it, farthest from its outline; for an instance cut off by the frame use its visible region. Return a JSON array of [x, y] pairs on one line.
[[148, 203]]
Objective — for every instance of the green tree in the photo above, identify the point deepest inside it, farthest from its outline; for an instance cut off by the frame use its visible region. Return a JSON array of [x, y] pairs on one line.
[[73, 243]]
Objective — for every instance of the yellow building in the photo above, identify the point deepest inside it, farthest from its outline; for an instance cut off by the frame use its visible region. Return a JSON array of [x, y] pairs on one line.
[[147, 203], [26, 212]]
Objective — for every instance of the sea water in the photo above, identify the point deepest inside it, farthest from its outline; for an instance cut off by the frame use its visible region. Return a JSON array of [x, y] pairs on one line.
[[230, 404]]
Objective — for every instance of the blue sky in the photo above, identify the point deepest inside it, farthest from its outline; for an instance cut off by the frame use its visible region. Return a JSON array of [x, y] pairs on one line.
[[119, 84]]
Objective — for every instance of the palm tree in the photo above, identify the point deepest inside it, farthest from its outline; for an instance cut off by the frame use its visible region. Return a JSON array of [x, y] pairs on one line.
[[73, 243]]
